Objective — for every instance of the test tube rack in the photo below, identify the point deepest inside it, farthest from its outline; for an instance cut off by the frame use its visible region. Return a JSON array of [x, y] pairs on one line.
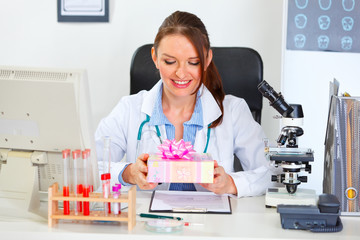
[[55, 214]]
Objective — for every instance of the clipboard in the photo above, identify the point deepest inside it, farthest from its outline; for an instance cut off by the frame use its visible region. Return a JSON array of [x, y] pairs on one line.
[[189, 202]]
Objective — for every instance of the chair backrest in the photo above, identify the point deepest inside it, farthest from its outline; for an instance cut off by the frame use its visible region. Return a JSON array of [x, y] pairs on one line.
[[241, 70]]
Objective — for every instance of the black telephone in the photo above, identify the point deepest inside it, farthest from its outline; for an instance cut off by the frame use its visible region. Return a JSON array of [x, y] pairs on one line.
[[322, 218]]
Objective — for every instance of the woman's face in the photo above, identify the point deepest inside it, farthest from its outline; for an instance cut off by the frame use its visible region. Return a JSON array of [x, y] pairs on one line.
[[178, 64]]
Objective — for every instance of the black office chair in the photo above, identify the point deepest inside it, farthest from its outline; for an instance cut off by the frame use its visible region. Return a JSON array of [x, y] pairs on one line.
[[241, 70]]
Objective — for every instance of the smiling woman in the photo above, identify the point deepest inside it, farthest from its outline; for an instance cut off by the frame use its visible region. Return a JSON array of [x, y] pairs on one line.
[[178, 64], [187, 103], [185, 34]]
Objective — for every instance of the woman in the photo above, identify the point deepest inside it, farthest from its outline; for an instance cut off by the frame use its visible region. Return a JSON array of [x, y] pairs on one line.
[[188, 103]]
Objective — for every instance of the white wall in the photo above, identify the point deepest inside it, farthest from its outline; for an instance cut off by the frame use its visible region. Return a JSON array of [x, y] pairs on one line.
[[31, 36], [306, 81]]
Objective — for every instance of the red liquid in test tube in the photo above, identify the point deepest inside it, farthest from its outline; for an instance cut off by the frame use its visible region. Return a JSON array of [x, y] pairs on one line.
[[88, 170], [66, 171], [79, 192], [105, 179], [86, 158], [77, 185]]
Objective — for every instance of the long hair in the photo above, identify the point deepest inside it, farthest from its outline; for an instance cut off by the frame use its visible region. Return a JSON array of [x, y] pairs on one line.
[[190, 26]]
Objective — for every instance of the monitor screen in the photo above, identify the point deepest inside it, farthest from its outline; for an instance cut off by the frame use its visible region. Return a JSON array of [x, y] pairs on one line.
[[42, 112]]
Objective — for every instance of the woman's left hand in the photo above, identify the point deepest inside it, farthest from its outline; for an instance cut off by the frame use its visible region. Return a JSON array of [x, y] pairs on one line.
[[223, 182]]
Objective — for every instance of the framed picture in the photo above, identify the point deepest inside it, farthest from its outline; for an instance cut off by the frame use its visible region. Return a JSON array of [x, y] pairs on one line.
[[83, 10]]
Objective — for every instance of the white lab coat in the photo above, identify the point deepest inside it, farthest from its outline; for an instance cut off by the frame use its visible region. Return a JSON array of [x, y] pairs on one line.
[[238, 134]]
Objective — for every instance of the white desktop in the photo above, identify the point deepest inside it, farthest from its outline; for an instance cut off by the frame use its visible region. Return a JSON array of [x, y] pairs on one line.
[[42, 112]]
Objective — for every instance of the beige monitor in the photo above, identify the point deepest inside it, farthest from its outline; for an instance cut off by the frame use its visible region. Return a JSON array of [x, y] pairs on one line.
[[42, 112]]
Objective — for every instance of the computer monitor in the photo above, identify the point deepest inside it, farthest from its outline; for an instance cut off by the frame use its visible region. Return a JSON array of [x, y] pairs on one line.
[[42, 112]]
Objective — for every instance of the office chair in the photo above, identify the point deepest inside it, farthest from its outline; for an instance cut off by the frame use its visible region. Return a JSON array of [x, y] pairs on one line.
[[241, 70]]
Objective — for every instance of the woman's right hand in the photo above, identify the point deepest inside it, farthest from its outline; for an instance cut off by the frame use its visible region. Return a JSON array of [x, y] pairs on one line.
[[136, 173]]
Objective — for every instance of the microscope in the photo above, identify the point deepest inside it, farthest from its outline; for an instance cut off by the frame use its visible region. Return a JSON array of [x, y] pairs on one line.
[[287, 155]]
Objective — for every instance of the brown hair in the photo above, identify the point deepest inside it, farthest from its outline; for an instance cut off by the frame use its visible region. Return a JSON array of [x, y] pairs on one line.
[[190, 26]]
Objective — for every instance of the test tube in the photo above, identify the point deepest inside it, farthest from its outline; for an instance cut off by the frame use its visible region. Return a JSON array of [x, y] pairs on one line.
[[116, 208], [106, 155], [66, 192], [86, 188], [116, 205], [89, 171], [77, 185], [105, 177], [119, 192]]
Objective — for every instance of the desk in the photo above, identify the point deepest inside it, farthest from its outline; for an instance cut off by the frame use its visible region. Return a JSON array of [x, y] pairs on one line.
[[250, 220]]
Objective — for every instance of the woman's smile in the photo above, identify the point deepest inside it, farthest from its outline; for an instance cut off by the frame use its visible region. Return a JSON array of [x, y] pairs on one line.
[[181, 83]]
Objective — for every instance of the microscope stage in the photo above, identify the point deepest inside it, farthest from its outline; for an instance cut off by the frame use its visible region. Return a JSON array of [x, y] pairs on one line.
[[275, 196]]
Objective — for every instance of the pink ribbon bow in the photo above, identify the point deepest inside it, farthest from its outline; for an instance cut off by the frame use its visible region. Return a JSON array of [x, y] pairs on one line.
[[173, 150]]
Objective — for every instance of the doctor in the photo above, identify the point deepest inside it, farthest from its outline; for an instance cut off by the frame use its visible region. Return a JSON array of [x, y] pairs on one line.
[[187, 103]]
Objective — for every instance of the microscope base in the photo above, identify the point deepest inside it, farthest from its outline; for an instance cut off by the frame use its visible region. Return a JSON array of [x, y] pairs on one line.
[[275, 196]]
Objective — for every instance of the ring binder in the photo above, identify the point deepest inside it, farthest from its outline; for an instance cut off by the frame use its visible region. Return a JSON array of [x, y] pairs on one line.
[[342, 154]]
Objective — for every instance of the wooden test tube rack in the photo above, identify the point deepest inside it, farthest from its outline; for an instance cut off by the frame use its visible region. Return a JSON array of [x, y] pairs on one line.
[[54, 213]]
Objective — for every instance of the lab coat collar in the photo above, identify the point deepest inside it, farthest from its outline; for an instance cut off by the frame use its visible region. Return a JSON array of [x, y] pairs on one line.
[[211, 110]]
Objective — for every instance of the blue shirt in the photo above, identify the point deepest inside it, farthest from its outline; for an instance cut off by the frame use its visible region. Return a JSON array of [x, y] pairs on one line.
[[190, 127]]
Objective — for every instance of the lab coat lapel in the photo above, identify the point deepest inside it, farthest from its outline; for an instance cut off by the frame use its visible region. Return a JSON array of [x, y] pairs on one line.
[[150, 99], [211, 110], [200, 140], [149, 103]]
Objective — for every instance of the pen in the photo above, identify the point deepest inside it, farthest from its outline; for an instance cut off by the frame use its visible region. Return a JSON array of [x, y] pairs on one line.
[[146, 215]]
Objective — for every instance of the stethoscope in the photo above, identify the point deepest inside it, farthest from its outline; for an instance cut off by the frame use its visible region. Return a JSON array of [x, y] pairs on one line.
[[159, 134]]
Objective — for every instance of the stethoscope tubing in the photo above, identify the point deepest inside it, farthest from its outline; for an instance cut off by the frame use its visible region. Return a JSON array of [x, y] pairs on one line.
[[159, 134]]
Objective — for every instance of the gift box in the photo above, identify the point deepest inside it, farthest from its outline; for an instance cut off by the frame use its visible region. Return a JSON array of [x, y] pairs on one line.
[[178, 163]]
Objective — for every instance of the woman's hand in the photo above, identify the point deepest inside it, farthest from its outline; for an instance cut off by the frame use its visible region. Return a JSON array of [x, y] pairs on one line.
[[136, 172], [223, 182]]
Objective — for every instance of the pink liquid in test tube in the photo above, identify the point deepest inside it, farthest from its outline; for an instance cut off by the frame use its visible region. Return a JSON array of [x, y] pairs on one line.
[[116, 208], [119, 191], [116, 194]]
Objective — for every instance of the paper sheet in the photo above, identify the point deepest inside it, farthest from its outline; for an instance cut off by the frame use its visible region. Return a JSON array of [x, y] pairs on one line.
[[184, 201]]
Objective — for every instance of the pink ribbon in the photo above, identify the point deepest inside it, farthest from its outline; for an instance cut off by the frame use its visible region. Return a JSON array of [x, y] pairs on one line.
[[173, 150]]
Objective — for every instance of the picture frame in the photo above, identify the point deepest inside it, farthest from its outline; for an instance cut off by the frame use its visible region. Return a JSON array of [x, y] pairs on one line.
[[83, 10]]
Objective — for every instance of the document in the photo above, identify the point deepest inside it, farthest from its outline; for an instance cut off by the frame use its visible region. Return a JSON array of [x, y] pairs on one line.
[[189, 202]]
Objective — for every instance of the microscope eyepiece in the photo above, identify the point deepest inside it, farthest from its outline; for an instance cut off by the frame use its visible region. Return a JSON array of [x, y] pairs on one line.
[[297, 113], [276, 99]]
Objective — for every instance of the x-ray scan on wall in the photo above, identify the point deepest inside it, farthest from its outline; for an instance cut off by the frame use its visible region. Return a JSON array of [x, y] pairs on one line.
[[324, 25]]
